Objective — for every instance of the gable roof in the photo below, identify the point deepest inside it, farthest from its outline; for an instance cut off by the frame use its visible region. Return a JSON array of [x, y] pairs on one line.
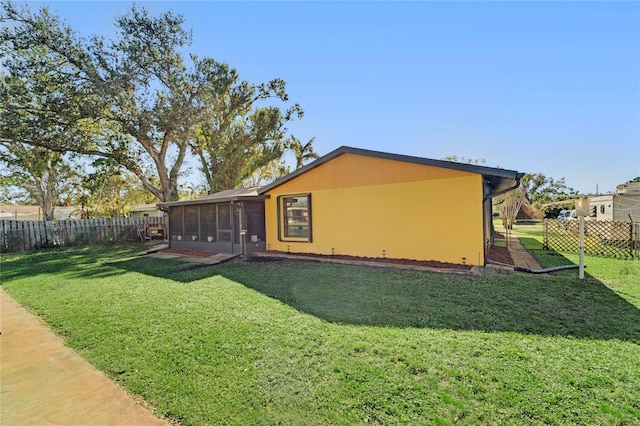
[[501, 180], [221, 197]]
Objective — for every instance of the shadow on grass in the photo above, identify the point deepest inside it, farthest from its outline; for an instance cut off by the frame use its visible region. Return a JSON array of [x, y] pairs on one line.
[[530, 243], [522, 303], [78, 261]]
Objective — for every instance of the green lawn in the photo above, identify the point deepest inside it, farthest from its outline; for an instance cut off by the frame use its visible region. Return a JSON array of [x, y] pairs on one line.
[[619, 275], [308, 343]]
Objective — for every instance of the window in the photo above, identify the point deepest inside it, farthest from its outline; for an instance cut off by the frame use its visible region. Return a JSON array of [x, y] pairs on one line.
[[602, 208], [295, 217]]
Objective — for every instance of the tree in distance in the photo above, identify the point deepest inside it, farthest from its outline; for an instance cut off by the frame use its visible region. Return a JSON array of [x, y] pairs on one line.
[[35, 175], [302, 152]]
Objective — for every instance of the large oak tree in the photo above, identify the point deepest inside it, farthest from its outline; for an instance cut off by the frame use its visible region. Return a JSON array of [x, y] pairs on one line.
[[134, 99]]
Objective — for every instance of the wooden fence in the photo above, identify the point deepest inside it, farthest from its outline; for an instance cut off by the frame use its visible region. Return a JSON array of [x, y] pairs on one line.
[[601, 238], [26, 235]]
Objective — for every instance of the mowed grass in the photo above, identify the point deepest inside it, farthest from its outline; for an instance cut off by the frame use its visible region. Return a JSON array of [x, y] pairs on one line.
[[302, 343], [620, 275]]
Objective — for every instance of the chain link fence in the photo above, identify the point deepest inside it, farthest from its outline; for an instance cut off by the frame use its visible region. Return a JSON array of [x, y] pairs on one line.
[[601, 238]]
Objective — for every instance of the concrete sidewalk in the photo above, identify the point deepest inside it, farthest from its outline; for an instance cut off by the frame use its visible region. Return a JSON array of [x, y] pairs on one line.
[[44, 382], [520, 256]]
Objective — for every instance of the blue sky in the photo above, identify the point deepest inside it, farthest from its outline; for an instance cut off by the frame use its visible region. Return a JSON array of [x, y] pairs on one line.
[[548, 87]]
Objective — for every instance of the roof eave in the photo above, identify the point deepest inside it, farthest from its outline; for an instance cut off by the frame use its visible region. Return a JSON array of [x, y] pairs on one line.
[[213, 200], [502, 184]]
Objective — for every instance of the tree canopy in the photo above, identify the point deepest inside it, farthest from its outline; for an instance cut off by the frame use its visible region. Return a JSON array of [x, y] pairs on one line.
[[36, 175], [541, 189], [302, 152], [137, 99]]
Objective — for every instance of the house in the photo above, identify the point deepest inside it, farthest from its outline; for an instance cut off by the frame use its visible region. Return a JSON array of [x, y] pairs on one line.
[[623, 206], [214, 223], [372, 204], [145, 210], [353, 202]]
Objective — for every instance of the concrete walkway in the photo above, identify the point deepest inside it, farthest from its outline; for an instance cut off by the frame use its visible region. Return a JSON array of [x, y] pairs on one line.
[[44, 382], [520, 256], [214, 259]]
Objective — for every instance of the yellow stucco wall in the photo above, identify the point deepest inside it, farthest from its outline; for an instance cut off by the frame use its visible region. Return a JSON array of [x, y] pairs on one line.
[[363, 205]]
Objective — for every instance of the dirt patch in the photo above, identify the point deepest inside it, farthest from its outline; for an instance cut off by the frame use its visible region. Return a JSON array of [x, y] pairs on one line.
[[500, 254], [190, 253], [408, 262]]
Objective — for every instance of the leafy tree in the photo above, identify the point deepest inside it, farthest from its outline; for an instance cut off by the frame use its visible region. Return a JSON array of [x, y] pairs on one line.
[[267, 174], [634, 180], [109, 189], [134, 99], [302, 152], [192, 190], [541, 190], [236, 137], [40, 176]]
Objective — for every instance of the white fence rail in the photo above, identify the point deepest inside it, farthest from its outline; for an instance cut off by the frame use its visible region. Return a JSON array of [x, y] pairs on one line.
[[26, 235]]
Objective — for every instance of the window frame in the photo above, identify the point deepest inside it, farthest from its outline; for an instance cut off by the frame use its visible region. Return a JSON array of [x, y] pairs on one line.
[[282, 220]]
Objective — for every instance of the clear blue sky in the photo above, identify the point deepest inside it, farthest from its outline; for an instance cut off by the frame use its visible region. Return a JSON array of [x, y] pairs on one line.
[[550, 87]]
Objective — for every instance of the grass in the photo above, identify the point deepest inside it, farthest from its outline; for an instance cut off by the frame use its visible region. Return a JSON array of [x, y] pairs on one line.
[[309, 343], [618, 274]]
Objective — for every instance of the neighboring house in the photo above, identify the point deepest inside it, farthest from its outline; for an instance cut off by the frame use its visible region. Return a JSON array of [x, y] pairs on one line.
[[623, 206], [145, 210], [16, 212], [354, 202], [372, 204], [213, 223]]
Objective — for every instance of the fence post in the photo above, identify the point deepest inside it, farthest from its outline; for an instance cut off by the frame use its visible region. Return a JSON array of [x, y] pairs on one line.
[[581, 247], [631, 242], [636, 241]]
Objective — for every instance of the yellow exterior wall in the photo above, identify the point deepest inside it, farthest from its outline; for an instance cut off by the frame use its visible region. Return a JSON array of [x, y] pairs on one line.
[[363, 205]]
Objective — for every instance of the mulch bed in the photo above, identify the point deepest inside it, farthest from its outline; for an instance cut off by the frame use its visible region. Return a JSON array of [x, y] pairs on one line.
[[190, 253], [500, 254], [425, 263]]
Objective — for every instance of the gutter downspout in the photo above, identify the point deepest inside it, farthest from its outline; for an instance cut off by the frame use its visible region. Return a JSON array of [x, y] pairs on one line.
[[487, 210], [515, 184]]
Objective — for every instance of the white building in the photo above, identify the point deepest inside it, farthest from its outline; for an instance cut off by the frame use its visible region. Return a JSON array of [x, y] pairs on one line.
[[145, 210], [623, 206]]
